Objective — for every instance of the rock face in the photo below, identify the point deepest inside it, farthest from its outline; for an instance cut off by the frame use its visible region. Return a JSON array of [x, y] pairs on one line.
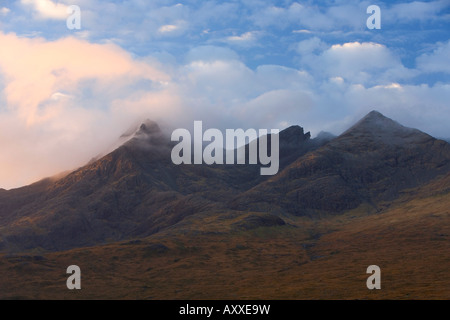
[[136, 190]]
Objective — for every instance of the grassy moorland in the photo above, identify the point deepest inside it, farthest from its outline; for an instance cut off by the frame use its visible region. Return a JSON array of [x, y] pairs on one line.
[[304, 259]]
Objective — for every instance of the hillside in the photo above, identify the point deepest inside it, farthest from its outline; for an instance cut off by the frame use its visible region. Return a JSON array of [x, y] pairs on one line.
[[307, 259]]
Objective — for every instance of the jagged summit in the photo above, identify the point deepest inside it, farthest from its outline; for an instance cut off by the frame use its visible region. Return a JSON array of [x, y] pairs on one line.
[[146, 132], [294, 135], [145, 127], [148, 127]]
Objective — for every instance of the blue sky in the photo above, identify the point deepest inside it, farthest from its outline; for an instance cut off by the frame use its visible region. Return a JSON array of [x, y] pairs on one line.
[[261, 32], [66, 94]]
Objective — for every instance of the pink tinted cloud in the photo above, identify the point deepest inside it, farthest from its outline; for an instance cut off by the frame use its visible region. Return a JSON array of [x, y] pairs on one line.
[[47, 124]]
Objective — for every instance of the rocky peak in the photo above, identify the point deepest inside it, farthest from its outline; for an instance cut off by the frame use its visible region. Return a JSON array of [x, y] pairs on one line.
[[381, 129], [374, 120], [148, 127], [293, 136]]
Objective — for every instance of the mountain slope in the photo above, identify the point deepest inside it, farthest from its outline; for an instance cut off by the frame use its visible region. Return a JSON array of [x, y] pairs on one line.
[[307, 259]]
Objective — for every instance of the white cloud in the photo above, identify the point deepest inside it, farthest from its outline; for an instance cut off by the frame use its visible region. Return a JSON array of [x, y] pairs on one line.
[[278, 16], [271, 108], [247, 36], [176, 29], [61, 99], [302, 31], [309, 46], [418, 106], [354, 58], [415, 10], [69, 99], [437, 61], [312, 17], [47, 9], [211, 53], [367, 62], [226, 93], [167, 28], [337, 80], [59, 95], [4, 11]]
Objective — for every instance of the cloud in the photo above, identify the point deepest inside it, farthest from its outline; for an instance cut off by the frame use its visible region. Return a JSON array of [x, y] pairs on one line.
[[367, 63], [415, 11], [270, 109], [225, 93], [246, 39], [168, 28], [176, 29], [4, 11], [62, 97], [312, 17], [46, 67], [69, 99], [281, 17], [358, 61], [351, 16], [47, 9], [247, 36], [211, 53], [310, 46], [302, 31], [436, 61], [418, 106]]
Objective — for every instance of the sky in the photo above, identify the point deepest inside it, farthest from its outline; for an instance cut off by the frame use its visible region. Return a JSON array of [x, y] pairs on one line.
[[67, 94]]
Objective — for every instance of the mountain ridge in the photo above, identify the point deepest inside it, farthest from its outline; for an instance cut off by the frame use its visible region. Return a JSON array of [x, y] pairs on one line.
[[359, 166], [135, 190]]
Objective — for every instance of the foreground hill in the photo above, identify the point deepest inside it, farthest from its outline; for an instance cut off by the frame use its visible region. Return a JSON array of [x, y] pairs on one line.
[[305, 259]]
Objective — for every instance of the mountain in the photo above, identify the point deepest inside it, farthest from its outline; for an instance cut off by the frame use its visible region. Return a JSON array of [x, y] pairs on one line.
[[374, 161], [133, 191], [379, 193], [136, 190]]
